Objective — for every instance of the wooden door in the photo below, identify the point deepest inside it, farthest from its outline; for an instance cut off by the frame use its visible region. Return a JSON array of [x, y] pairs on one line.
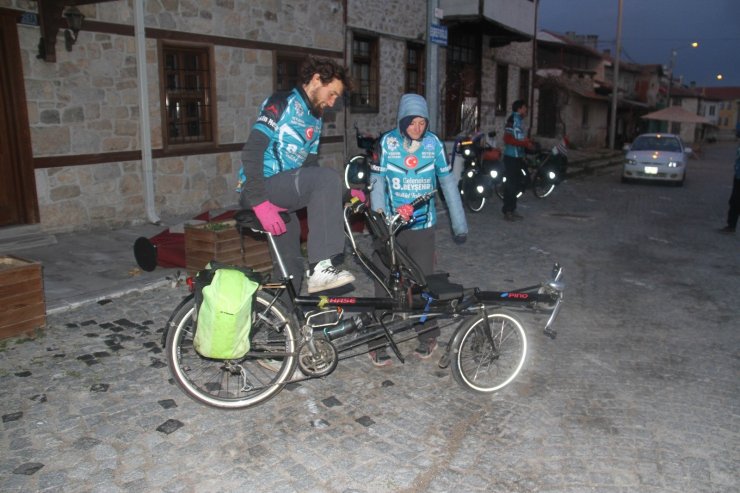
[[17, 182]]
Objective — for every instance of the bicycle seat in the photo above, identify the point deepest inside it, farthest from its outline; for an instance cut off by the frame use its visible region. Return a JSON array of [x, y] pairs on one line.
[[440, 287], [247, 219]]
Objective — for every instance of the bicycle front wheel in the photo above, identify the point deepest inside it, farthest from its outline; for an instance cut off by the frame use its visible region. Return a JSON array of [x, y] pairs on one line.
[[488, 357], [541, 187], [241, 383]]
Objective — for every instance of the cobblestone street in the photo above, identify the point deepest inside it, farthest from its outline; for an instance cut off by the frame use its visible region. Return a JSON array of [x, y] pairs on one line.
[[638, 393]]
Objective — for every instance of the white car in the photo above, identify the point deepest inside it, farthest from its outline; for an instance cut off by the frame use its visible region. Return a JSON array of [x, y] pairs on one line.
[[656, 157]]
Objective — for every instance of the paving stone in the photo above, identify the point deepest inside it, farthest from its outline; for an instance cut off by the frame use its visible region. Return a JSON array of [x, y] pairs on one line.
[[635, 394]]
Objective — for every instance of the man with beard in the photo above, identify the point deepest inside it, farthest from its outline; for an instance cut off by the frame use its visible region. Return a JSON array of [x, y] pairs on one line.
[[281, 172]]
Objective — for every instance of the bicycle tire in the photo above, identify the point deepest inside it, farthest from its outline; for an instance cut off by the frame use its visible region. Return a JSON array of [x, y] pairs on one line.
[[475, 204], [481, 367], [541, 187], [242, 383]]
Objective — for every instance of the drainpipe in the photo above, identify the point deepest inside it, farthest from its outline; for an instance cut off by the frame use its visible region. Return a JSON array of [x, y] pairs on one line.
[[145, 135], [431, 79]]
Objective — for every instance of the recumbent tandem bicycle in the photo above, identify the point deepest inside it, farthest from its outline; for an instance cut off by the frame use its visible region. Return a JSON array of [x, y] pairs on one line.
[[313, 333]]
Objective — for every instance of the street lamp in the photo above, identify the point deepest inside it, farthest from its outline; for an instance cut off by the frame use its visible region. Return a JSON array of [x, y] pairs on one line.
[[694, 44]]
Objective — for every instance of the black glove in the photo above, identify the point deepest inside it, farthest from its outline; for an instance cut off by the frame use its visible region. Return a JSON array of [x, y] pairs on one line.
[[460, 239]]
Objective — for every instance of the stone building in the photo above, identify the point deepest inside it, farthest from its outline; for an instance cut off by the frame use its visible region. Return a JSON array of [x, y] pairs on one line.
[[142, 113]]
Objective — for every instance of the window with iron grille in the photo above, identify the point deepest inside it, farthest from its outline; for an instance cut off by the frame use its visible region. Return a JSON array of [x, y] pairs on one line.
[[288, 73], [415, 68], [365, 74], [189, 101], [524, 84], [502, 88]]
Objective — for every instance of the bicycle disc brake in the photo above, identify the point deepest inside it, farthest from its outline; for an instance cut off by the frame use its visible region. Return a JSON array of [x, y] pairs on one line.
[[320, 361]]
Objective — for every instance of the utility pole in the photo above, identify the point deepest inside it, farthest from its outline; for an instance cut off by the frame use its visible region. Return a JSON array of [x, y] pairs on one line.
[[431, 78], [534, 68], [670, 78], [615, 88]]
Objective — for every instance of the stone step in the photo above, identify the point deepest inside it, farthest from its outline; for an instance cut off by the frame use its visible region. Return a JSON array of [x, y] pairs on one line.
[[16, 238]]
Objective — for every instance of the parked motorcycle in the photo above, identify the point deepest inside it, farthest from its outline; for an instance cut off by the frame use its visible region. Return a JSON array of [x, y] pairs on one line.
[[544, 171], [477, 164]]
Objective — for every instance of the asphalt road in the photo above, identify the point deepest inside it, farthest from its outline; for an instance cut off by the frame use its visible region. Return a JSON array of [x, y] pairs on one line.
[[639, 392]]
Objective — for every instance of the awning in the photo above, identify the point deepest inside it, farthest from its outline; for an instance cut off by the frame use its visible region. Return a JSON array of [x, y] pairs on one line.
[[675, 114]]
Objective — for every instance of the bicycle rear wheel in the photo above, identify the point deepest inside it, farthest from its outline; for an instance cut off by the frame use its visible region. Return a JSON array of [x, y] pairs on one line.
[[486, 359], [242, 383], [476, 203]]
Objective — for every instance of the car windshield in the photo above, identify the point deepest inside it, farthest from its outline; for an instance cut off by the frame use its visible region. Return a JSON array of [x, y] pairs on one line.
[[654, 143]]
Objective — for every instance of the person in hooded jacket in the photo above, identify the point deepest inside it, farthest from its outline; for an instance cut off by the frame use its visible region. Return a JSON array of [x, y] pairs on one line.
[[412, 162]]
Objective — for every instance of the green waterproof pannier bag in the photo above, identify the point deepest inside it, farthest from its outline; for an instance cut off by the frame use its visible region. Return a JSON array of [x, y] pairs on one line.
[[224, 316]]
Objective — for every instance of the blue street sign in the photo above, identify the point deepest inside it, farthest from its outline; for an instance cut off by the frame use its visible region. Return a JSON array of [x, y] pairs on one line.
[[438, 34]]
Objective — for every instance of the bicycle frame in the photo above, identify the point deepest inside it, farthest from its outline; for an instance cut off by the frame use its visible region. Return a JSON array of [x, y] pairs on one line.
[[418, 303]]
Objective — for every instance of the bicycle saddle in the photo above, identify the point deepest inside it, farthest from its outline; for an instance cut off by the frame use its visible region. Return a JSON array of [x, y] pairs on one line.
[[440, 287], [247, 219]]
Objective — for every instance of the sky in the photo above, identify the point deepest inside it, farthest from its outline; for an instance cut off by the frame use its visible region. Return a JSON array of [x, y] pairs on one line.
[[653, 29]]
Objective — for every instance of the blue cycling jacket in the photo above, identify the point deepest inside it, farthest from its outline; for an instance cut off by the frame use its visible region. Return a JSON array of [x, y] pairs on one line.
[[408, 169], [515, 127], [293, 131]]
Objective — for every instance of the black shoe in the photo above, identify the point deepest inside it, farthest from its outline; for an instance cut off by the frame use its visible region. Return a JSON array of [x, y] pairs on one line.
[[426, 348], [727, 229], [513, 216], [380, 357]]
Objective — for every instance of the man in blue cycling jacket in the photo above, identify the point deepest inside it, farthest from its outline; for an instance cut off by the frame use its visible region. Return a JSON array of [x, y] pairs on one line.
[[515, 145], [281, 172], [412, 161]]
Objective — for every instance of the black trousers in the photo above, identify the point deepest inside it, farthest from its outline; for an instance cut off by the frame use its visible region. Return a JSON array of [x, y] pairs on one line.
[[734, 211], [419, 244], [514, 182], [319, 190]]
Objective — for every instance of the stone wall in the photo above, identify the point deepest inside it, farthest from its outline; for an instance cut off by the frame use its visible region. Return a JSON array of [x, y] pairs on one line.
[[395, 23], [87, 103]]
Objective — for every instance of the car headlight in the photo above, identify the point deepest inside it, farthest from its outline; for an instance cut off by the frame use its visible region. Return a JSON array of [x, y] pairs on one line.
[[672, 164], [631, 162]]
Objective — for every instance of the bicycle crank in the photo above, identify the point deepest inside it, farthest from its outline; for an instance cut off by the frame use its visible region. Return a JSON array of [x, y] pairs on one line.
[[317, 358]]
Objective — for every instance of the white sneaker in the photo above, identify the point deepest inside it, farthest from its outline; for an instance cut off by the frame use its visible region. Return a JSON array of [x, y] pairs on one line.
[[326, 276]]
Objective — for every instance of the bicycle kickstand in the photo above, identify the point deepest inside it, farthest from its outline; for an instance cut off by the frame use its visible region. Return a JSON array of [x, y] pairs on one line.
[[389, 336]]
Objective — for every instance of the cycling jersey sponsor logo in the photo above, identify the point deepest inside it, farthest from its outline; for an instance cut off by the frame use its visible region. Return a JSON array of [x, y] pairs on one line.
[[309, 133], [267, 121], [298, 108], [516, 296], [411, 161], [272, 109], [392, 143]]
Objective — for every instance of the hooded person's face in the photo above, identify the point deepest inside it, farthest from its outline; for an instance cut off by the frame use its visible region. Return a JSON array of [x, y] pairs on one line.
[[416, 128]]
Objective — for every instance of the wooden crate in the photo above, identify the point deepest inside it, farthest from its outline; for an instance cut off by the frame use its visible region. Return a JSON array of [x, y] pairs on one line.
[[22, 305], [204, 243]]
